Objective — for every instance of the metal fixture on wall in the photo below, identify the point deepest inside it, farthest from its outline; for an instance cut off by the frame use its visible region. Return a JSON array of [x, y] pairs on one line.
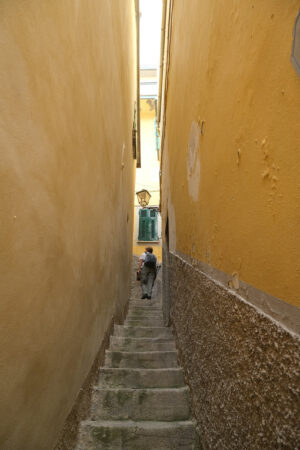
[[143, 197]]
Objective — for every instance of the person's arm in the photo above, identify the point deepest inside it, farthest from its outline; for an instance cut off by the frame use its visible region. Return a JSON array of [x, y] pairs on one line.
[[141, 260]]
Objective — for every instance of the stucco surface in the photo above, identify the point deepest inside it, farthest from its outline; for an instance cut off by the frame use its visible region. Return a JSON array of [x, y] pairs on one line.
[[67, 88], [242, 367], [230, 159]]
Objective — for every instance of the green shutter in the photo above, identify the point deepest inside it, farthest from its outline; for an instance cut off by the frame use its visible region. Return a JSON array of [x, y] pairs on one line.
[[153, 230], [143, 224], [148, 225], [154, 233]]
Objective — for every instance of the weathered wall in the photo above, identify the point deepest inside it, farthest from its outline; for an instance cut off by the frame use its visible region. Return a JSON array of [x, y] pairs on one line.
[[235, 188], [231, 216], [67, 88]]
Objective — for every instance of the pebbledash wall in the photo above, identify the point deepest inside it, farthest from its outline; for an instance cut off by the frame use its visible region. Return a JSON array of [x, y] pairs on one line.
[[68, 90], [229, 123]]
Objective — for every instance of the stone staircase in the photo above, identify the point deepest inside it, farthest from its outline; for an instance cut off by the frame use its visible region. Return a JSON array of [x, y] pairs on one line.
[[141, 401]]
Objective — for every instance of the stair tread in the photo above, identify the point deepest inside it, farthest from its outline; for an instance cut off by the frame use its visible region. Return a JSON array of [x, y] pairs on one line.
[[141, 378], [141, 340], [140, 404], [155, 328], [142, 353], [137, 369], [154, 424], [150, 389]]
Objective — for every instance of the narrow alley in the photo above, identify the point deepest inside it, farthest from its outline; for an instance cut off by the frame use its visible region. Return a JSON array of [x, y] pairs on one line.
[[140, 401], [149, 144]]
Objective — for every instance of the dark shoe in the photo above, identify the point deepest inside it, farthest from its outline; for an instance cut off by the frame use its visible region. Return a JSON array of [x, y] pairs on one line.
[[144, 296], [149, 297]]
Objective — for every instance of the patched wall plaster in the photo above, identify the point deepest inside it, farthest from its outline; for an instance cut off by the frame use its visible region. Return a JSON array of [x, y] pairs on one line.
[[193, 161], [172, 225]]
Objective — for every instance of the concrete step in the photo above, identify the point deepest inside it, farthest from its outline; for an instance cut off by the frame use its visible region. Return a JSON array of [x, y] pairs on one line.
[[119, 343], [140, 378], [143, 360], [147, 332], [129, 435], [143, 323], [143, 308], [144, 314], [152, 321], [140, 404], [145, 311], [146, 317], [147, 303]]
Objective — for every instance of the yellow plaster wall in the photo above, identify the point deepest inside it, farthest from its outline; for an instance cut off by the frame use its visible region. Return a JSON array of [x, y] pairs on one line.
[[138, 249], [233, 192], [67, 89]]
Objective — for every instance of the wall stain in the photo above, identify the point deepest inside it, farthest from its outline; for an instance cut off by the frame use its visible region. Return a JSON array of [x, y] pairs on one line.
[[193, 161]]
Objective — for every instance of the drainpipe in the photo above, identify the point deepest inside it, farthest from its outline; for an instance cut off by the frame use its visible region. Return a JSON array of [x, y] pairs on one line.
[[138, 118]]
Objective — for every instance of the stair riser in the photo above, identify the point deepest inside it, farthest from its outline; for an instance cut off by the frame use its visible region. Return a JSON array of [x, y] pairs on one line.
[[142, 404], [146, 303], [136, 437], [140, 378], [146, 318], [144, 315], [145, 307], [142, 332], [141, 360], [142, 346], [139, 309], [145, 312], [144, 323], [128, 340]]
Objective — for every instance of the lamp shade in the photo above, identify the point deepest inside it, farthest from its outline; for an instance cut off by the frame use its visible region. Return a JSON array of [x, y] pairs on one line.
[[143, 197]]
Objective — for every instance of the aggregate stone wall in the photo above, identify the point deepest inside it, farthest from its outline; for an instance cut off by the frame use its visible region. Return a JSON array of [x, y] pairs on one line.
[[242, 367]]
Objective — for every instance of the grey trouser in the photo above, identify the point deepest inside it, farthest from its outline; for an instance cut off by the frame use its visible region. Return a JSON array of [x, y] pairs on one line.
[[147, 280]]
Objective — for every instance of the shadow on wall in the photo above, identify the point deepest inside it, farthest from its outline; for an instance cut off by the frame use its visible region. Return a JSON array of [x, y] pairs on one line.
[[166, 300]]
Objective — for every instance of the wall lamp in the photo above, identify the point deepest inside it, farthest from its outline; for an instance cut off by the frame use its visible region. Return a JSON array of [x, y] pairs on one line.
[[143, 197]]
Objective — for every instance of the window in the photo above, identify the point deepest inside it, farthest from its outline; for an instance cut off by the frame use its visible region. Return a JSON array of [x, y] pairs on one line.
[[148, 225]]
